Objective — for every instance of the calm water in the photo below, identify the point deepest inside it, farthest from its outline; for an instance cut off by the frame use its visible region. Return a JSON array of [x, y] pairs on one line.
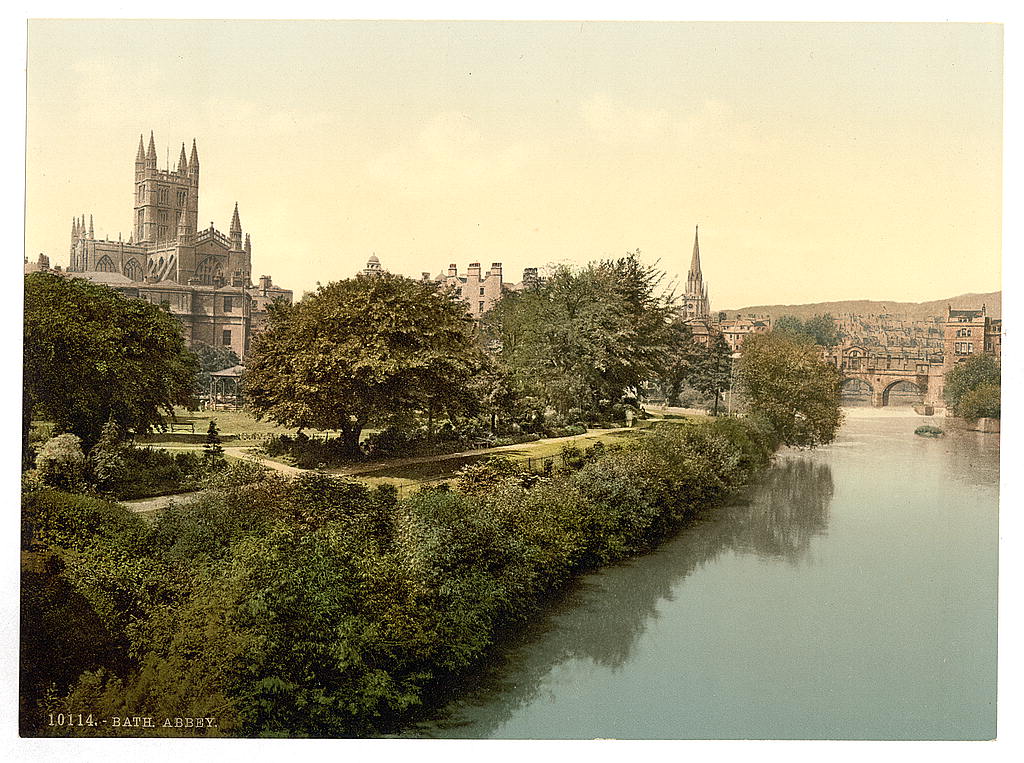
[[850, 592]]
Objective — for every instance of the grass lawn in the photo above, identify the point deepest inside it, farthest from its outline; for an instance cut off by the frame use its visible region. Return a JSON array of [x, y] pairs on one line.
[[405, 474], [232, 423]]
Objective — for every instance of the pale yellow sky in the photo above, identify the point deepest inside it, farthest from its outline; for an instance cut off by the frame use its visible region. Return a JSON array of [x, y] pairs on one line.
[[821, 161]]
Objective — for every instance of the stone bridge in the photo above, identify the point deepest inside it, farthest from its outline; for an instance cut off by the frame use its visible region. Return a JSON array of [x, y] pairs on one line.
[[883, 371]]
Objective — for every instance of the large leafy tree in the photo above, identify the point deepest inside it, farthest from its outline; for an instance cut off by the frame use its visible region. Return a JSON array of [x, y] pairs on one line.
[[711, 372], [367, 349], [682, 356], [786, 381], [93, 355], [821, 328], [584, 336], [971, 387]]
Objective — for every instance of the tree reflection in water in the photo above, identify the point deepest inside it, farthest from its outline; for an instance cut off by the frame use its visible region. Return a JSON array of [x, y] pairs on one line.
[[601, 617]]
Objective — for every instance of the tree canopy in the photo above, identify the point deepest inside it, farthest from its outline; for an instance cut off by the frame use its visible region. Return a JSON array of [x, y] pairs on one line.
[[711, 374], [820, 329], [93, 355], [786, 381], [971, 388], [583, 336], [370, 348]]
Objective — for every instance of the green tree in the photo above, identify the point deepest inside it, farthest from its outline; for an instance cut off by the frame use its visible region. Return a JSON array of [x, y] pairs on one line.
[[92, 355], [109, 458], [212, 447], [369, 348], [584, 337], [971, 387], [821, 329], [981, 403], [711, 374], [680, 361], [786, 381]]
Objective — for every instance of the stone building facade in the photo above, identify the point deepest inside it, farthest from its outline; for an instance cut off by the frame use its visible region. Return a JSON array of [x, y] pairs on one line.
[[202, 276], [478, 291], [970, 332], [481, 291], [735, 331]]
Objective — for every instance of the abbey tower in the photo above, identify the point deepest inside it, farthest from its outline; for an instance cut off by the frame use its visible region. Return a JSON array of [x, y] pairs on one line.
[[202, 276]]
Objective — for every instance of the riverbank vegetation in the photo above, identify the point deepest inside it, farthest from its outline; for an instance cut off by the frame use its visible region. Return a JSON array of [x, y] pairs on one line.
[[321, 607], [972, 388], [784, 379]]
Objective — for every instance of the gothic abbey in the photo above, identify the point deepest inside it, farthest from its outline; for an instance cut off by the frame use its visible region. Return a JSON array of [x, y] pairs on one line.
[[203, 277]]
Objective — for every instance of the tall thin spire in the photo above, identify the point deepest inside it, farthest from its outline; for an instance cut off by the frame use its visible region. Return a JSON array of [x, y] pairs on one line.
[[236, 230], [141, 155], [74, 228], [90, 227], [695, 260], [182, 161], [151, 151], [193, 162]]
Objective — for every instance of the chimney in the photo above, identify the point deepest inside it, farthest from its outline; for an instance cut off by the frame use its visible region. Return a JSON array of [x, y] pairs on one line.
[[496, 270], [473, 272], [453, 271], [265, 283]]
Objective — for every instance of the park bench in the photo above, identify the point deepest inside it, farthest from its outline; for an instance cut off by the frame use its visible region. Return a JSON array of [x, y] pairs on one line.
[[183, 426]]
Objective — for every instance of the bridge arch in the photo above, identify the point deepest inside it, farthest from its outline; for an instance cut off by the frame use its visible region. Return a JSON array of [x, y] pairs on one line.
[[908, 391], [855, 391]]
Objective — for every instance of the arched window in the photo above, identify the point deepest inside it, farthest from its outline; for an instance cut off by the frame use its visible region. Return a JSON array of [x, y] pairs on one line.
[[209, 271], [106, 265], [133, 270]]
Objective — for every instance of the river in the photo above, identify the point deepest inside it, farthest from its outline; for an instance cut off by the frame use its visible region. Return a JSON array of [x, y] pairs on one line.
[[849, 592]]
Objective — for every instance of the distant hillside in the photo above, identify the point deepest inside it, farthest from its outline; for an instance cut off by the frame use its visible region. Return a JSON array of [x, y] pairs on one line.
[[912, 310]]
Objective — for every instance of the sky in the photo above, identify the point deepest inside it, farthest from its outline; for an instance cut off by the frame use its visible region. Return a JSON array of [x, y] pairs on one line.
[[821, 161]]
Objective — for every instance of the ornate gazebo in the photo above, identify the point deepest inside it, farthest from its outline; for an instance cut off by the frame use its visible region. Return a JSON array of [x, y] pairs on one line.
[[226, 389]]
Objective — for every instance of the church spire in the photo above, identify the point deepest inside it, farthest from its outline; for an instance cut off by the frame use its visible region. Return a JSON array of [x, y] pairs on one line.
[[236, 230], [695, 260], [141, 155], [74, 228], [90, 227], [695, 300], [182, 161]]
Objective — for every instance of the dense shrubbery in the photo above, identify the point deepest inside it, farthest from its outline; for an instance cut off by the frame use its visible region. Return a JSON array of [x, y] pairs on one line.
[[321, 607], [982, 402], [120, 470], [972, 388], [61, 463], [307, 452]]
